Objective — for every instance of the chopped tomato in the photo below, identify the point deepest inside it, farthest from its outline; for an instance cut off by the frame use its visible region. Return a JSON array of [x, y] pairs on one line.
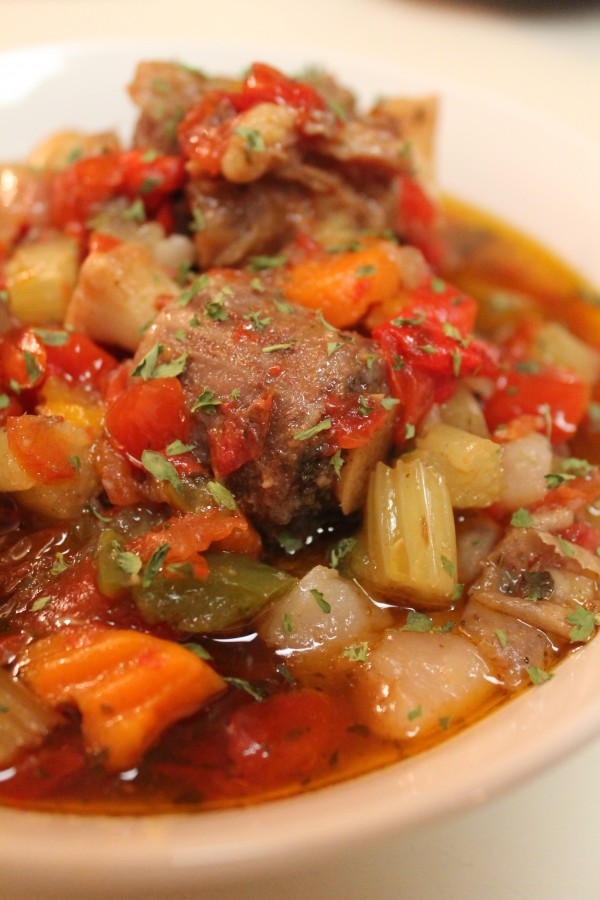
[[41, 447], [23, 359], [419, 219], [584, 535], [148, 415], [558, 397], [79, 191], [265, 84], [288, 737], [354, 420], [78, 358], [238, 439]]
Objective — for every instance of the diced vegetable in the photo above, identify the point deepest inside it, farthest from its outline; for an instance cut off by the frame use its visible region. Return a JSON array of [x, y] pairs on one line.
[[129, 687], [471, 465], [40, 278], [25, 720], [410, 534], [236, 588]]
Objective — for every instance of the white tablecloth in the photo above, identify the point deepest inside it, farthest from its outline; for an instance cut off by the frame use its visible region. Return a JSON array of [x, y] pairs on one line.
[[541, 841]]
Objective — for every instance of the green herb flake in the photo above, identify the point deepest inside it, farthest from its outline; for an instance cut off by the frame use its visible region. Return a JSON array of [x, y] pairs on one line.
[[273, 348], [409, 431], [253, 140], [4, 401], [261, 263], [4, 298], [180, 335], [171, 369], [198, 222], [197, 285], [419, 622], [397, 363], [257, 285], [357, 653], [215, 311], [324, 425], [370, 360], [341, 550], [580, 468], [389, 402], [128, 562], [555, 479], [282, 306], [207, 402], [332, 346], [320, 600], [75, 463], [150, 155], [521, 519], [364, 406], [177, 447], [445, 722], [287, 624], [257, 322], [59, 565], [415, 713], [410, 321], [448, 566], [51, 338], [337, 461], [255, 692], [221, 494], [40, 603], [319, 315], [145, 367], [429, 349], [33, 370], [154, 565], [149, 184], [198, 650], [161, 469], [538, 676], [457, 592], [91, 507], [365, 271], [527, 367], [502, 639], [566, 546], [456, 357], [289, 542], [136, 212], [438, 285], [584, 623], [338, 110], [594, 414], [235, 394]]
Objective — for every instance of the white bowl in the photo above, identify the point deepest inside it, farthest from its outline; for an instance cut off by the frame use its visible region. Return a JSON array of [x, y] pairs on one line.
[[500, 157]]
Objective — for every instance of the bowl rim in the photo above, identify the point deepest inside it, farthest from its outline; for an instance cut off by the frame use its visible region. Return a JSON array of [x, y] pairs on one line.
[[217, 845]]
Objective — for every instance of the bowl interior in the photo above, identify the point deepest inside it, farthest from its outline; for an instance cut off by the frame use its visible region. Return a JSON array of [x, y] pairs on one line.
[[523, 169]]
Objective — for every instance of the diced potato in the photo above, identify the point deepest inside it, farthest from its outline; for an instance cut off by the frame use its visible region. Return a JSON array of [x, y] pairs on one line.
[[470, 464], [463, 411], [413, 680], [117, 294], [40, 278], [320, 617], [525, 463], [556, 345], [410, 533], [12, 476]]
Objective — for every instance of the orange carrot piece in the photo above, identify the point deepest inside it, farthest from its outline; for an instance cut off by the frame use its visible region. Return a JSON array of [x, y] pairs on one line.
[[128, 686], [345, 285]]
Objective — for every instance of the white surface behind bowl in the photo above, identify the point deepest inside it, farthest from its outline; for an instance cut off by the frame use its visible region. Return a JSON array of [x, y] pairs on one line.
[[495, 155]]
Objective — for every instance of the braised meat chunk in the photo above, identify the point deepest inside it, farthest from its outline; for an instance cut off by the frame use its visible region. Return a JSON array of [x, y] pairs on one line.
[[278, 395]]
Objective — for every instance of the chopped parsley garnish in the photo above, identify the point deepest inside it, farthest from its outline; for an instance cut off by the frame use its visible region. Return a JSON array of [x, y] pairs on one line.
[[437, 285], [448, 566], [51, 338], [161, 469], [417, 621], [415, 713], [274, 347], [171, 369], [337, 461], [521, 519], [332, 346], [445, 722], [154, 565], [583, 622], [207, 402], [198, 222], [401, 321], [324, 425], [198, 284], [261, 263], [502, 639], [555, 479], [341, 549], [146, 365], [59, 565], [389, 402], [287, 623], [364, 407], [176, 447], [40, 603], [31, 364], [580, 468], [289, 542], [128, 562], [358, 652], [198, 650], [136, 212], [215, 310], [365, 271], [257, 322], [566, 546], [320, 600], [538, 676], [255, 692], [75, 463], [409, 431], [4, 401], [221, 494], [319, 315], [253, 139]]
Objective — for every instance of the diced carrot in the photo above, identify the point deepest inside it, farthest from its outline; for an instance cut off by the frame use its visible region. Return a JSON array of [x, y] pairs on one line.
[[128, 686], [345, 285]]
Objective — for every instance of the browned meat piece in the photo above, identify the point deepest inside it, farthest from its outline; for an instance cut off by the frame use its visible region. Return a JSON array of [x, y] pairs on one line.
[[164, 92], [540, 579], [267, 383]]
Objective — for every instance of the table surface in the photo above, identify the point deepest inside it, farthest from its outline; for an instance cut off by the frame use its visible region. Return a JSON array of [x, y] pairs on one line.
[[540, 840]]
